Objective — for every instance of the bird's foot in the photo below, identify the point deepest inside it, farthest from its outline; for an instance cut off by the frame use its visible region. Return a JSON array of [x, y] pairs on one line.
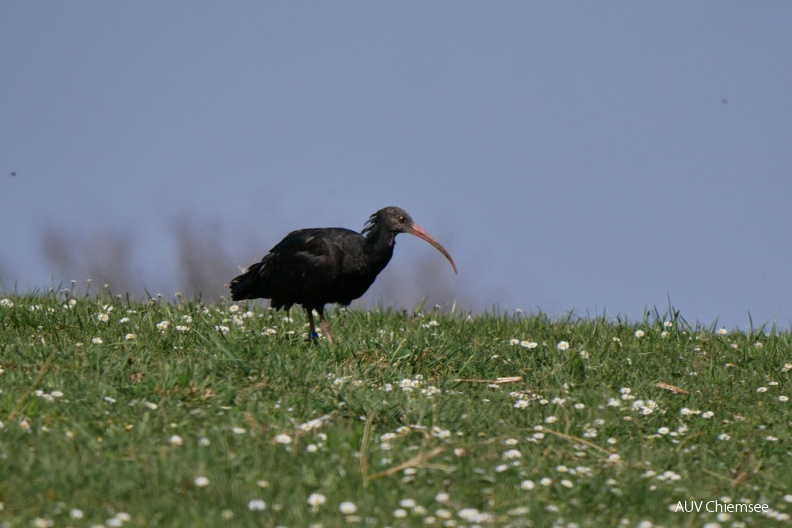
[[313, 337]]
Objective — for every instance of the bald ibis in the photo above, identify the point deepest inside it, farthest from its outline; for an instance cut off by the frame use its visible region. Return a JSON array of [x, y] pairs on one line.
[[314, 267]]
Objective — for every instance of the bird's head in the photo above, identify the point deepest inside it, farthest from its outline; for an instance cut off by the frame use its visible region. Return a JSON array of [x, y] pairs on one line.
[[397, 220]]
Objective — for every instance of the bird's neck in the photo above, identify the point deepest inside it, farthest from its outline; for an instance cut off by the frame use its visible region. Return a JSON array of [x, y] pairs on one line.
[[379, 248]]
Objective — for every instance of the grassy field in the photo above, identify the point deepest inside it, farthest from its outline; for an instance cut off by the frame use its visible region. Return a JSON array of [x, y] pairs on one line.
[[117, 413]]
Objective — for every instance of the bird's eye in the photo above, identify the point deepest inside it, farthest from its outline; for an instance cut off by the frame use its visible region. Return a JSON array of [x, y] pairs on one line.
[[401, 219]]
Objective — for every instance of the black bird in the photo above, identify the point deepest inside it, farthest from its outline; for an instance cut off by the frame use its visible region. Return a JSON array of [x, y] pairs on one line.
[[314, 267]]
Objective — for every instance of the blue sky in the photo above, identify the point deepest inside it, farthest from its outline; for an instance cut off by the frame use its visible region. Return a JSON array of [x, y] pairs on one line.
[[587, 156]]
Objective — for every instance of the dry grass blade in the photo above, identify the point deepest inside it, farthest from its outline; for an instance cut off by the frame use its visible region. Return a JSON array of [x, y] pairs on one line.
[[415, 461], [573, 439], [42, 372], [672, 388], [497, 381], [363, 444]]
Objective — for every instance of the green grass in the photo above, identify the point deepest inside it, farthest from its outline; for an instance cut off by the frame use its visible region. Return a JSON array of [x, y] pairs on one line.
[[414, 418]]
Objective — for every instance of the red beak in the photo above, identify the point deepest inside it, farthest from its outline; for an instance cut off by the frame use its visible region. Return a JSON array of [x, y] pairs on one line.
[[420, 232]]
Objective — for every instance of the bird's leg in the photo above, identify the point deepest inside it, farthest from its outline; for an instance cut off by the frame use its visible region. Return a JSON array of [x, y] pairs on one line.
[[312, 335], [325, 326]]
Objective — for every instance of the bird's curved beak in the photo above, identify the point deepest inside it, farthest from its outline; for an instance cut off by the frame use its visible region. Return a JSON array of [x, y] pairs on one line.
[[420, 232]]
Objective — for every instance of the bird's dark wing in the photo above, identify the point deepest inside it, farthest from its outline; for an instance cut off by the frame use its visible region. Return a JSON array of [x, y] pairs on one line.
[[300, 269]]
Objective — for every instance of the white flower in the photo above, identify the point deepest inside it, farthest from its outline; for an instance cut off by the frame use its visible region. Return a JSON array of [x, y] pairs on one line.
[[347, 508], [163, 325], [527, 485], [129, 337], [316, 499], [283, 438], [722, 331], [639, 334], [563, 345], [175, 440], [76, 513], [97, 341], [201, 482], [257, 505], [761, 389]]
